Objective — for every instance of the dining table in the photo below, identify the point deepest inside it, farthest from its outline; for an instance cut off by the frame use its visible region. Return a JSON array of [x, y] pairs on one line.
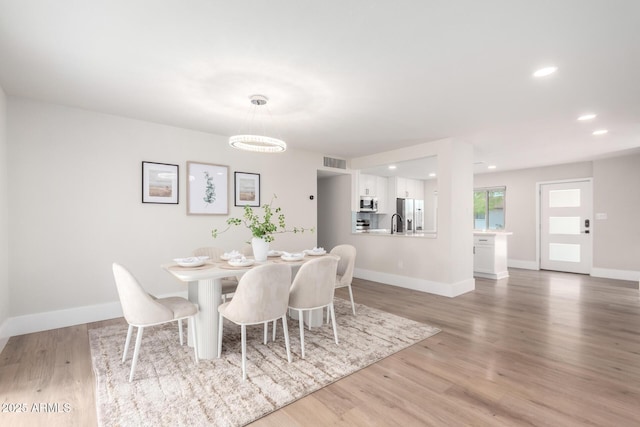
[[205, 289]]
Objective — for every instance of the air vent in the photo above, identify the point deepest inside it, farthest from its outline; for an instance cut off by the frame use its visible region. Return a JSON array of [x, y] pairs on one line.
[[335, 163]]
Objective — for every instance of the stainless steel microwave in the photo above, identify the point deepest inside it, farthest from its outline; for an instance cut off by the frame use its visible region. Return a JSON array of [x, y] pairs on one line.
[[368, 204]]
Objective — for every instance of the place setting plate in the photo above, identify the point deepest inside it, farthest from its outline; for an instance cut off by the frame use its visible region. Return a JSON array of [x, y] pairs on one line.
[[239, 263], [230, 255], [292, 257], [315, 252], [193, 262]]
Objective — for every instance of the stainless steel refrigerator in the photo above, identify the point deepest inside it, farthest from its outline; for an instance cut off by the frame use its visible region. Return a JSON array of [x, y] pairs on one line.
[[411, 215]]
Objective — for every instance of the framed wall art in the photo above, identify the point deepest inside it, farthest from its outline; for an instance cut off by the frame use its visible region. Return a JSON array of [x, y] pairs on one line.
[[207, 189], [159, 183], [247, 189]]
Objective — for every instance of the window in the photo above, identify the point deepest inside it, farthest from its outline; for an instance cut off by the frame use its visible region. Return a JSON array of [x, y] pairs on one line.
[[488, 208]]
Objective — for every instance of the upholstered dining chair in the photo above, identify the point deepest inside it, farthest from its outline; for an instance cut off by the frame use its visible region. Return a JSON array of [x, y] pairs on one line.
[[143, 310], [344, 276], [261, 297], [313, 288], [229, 284]]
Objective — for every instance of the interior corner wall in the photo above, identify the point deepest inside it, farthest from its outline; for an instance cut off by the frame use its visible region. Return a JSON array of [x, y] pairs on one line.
[[334, 213], [75, 203], [616, 239], [4, 221]]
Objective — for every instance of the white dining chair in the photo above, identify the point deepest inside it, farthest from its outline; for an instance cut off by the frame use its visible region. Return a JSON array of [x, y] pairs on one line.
[[344, 275], [313, 288], [229, 284], [262, 296], [143, 310]]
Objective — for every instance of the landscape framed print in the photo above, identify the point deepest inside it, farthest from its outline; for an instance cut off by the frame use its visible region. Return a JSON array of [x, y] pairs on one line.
[[247, 189], [207, 189], [159, 183]]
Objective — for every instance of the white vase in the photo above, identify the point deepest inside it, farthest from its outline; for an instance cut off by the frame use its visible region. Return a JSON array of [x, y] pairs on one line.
[[260, 248]]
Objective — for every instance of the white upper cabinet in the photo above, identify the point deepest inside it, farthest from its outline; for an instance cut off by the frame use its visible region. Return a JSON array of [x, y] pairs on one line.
[[368, 185], [407, 188], [382, 185]]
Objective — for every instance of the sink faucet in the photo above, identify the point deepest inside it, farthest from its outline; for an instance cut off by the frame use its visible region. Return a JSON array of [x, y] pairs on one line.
[[393, 223]]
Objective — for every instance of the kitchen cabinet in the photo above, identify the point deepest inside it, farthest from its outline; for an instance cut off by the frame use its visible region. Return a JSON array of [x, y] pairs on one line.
[[490, 255], [375, 186], [407, 188], [368, 185], [382, 184]]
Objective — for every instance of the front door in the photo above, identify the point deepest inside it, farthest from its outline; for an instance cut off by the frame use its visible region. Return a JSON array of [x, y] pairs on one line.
[[565, 226]]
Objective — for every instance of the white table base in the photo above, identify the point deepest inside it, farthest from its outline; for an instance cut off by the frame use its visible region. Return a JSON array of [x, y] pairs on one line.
[[207, 293]]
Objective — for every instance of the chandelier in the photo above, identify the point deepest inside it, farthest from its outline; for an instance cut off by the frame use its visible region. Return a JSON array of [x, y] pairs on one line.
[[260, 143]]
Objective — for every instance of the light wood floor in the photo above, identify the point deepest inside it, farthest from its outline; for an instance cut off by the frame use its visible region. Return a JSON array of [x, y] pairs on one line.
[[538, 348]]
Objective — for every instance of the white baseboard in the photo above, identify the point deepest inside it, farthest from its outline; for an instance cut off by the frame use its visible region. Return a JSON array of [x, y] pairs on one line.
[[437, 288], [525, 265], [608, 273], [38, 322]]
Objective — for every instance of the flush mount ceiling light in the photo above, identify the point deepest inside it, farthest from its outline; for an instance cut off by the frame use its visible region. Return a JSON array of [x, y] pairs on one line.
[[259, 143], [585, 117], [546, 71], [491, 167], [392, 167], [600, 132]]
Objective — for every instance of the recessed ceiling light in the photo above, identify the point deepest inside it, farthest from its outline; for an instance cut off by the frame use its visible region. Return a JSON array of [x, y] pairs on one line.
[[392, 167], [432, 174], [543, 72], [600, 132], [584, 117], [491, 167]]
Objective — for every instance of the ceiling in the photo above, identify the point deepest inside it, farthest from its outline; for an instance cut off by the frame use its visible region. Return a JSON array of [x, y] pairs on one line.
[[345, 78]]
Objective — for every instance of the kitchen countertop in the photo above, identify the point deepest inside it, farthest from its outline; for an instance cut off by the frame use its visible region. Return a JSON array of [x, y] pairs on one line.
[[386, 232], [492, 232]]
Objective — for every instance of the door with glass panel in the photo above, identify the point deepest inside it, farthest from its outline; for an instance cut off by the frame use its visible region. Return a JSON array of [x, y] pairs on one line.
[[565, 227]]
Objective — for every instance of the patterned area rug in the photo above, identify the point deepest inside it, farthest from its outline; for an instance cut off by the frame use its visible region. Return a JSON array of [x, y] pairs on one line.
[[169, 388]]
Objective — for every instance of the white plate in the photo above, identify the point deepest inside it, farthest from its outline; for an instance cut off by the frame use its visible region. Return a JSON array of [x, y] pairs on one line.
[[292, 257], [315, 253], [241, 263], [230, 255], [274, 253], [194, 261]]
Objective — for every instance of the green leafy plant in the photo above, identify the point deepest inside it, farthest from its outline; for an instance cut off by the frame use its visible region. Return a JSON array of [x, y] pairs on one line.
[[272, 221], [210, 191]]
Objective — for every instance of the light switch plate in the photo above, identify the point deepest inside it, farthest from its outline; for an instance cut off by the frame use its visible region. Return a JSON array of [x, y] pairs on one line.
[[601, 216]]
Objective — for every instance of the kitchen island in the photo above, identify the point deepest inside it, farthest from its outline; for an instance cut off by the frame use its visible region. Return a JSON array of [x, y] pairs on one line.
[[490, 254]]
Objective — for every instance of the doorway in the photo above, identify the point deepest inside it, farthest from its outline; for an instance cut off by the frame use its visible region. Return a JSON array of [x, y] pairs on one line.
[[566, 241]]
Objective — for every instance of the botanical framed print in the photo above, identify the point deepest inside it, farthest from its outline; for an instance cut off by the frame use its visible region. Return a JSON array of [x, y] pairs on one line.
[[247, 189], [207, 189], [159, 183]]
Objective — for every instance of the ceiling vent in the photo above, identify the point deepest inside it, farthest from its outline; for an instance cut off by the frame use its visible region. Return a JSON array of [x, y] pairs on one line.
[[330, 162]]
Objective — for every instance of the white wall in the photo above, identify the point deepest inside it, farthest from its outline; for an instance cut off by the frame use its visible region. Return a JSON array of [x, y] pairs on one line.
[[4, 225], [616, 241], [75, 203]]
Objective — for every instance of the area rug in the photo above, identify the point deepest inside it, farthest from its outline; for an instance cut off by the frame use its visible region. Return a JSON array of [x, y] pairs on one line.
[[169, 388]]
